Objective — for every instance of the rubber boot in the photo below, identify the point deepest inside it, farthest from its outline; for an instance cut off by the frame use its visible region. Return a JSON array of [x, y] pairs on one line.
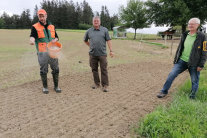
[[44, 83], [55, 80]]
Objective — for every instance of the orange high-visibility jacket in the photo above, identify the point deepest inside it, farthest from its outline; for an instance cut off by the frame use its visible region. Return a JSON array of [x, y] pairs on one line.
[[43, 37]]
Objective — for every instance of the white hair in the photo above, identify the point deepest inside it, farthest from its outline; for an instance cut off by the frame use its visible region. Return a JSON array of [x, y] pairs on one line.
[[196, 20], [96, 17]]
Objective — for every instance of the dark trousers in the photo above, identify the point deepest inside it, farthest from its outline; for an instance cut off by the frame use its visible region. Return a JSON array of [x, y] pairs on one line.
[[44, 59], [94, 63]]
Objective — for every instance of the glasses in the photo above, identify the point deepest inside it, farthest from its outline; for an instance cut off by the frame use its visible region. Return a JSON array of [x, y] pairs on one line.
[[192, 24]]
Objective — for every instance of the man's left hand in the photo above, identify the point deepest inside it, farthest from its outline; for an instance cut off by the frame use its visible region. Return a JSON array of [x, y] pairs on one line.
[[199, 68], [54, 40]]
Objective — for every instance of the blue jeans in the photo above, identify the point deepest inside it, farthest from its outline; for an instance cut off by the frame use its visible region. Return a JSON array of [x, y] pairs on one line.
[[178, 68]]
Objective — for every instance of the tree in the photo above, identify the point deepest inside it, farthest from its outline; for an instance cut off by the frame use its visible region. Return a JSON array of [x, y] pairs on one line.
[[114, 20], [87, 13], [49, 7], [6, 18], [176, 12], [106, 20], [96, 13], [1, 23], [73, 16], [134, 15], [35, 17], [78, 14], [25, 20], [105, 17], [15, 21], [9, 22], [64, 14]]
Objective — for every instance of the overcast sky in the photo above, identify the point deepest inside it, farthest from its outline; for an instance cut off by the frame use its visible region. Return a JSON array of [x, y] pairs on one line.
[[17, 6]]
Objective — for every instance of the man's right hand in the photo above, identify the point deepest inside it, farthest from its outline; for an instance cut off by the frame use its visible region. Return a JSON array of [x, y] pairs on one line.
[[32, 41], [111, 54], [87, 43]]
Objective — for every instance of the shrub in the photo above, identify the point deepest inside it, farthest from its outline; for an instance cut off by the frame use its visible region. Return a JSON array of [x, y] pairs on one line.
[[84, 26]]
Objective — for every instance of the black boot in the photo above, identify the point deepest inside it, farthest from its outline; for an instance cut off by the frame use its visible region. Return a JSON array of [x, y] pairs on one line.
[[55, 79], [192, 95], [44, 83]]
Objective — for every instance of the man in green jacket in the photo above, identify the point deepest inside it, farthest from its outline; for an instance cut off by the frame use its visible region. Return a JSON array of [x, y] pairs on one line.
[[191, 54]]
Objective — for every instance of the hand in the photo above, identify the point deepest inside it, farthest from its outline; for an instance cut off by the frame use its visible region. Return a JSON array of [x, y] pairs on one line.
[[54, 40], [111, 54], [32, 41], [199, 68]]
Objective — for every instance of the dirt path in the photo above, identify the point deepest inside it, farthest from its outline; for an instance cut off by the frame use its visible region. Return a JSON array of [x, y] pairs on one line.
[[81, 112]]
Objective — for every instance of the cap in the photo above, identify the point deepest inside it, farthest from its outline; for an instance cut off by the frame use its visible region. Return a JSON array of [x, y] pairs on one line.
[[41, 11]]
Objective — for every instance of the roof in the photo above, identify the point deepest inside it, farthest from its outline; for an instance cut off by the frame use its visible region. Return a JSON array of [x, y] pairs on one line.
[[121, 27]]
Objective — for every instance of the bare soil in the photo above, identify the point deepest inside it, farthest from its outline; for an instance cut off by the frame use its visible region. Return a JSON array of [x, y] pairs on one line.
[[80, 111], [136, 75]]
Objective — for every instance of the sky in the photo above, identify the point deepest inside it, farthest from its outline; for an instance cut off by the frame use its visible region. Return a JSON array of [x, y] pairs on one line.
[[17, 6]]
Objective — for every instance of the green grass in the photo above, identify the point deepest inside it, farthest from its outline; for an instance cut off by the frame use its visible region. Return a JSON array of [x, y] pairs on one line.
[[153, 43], [20, 64], [79, 31], [144, 41], [183, 118], [5, 49], [143, 36], [71, 30], [130, 36]]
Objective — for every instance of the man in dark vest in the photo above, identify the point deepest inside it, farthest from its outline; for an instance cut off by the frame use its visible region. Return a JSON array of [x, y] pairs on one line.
[[42, 33]]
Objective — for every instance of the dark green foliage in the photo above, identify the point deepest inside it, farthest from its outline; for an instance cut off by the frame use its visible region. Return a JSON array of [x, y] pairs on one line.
[[134, 15], [176, 12], [87, 13], [25, 20], [16, 21], [62, 13], [105, 17], [84, 26], [106, 20], [35, 18], [1, 23]]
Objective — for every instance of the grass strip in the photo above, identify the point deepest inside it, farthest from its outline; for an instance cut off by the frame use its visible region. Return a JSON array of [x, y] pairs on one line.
[[182, 118]]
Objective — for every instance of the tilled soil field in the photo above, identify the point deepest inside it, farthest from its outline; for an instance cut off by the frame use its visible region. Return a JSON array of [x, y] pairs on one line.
[[80, 111]]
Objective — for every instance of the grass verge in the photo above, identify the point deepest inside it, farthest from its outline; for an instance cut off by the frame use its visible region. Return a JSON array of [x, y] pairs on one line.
[[182, 118], [144, 41], [72, 30], [153, 43]]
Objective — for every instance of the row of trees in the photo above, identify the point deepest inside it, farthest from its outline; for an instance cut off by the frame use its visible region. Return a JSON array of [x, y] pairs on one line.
[[16, 21], [138, 14], [62, 14]]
